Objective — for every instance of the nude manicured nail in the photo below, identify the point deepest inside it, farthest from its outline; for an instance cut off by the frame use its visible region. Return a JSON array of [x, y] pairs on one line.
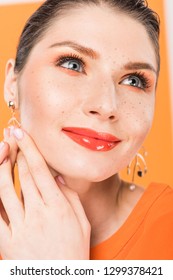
[[60, 179], [18, 133], [1, 145]]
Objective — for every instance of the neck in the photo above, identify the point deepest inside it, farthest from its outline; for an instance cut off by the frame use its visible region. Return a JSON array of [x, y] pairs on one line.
[[107, 204], [100, 202]]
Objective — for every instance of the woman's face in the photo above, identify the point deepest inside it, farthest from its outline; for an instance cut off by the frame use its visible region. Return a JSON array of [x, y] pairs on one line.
[[94, 69]]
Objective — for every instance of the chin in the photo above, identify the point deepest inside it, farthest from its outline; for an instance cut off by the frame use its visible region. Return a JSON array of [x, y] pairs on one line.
[[88, 166], [93, 173], [100, 175]]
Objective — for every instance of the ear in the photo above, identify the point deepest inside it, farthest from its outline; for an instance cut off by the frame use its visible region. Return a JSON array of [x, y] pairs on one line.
[[11, 84]]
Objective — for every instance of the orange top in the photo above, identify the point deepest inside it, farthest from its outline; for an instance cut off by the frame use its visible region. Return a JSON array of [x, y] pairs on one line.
[[148, 231]]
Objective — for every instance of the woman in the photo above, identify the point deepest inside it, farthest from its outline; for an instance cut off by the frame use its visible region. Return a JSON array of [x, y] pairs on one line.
[[84, 82]]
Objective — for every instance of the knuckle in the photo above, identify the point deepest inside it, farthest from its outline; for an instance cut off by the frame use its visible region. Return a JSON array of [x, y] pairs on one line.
[[35, 161], [37, 166]]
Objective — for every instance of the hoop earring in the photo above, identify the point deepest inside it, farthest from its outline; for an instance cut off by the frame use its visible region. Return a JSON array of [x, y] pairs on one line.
[[13, 121], [139, 159]]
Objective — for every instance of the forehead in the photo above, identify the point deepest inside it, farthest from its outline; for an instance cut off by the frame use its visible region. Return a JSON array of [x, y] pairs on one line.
[[104, 29]]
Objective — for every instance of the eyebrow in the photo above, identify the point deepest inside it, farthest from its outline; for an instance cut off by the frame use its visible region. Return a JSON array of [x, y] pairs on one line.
[[79, 48], [94, 55], [139, 66]]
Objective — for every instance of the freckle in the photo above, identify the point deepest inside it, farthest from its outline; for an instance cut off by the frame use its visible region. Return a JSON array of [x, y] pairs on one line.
[[62, 112]]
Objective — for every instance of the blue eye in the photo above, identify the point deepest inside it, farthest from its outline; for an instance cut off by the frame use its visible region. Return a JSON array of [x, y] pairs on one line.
[[73, 63], [138, 80], [133, 81]]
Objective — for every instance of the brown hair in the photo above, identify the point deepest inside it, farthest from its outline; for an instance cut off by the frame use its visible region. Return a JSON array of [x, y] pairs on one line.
[[39, 22]]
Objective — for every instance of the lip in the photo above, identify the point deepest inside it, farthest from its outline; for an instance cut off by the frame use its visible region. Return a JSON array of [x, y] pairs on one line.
[[91, 139]]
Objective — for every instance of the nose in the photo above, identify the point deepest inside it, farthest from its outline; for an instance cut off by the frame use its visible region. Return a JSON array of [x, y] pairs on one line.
[[101, 101]]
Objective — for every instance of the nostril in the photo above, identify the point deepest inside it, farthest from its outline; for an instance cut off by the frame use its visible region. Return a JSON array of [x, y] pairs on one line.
[[112, 117], [94, 112]]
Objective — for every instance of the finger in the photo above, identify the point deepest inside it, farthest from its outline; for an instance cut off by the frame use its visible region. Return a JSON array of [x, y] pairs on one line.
[[5, 235], [12, 143], [4, 151], [11, 203], [74, 200], [38, 168], [31, 196], [3, 213]]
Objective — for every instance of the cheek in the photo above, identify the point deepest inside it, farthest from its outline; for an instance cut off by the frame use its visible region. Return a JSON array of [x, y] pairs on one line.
[[47, 98], [137, 115]]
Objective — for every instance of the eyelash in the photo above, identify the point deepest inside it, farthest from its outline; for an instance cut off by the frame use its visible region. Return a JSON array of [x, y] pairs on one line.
[[67, 58], [140, 75], [146, 83]]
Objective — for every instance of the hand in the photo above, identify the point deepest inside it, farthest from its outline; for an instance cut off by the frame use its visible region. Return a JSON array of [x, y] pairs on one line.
[[8, 148], [51, 222]]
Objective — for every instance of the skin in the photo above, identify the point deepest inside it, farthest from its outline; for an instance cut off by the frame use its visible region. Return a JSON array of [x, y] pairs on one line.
[[99, 97]]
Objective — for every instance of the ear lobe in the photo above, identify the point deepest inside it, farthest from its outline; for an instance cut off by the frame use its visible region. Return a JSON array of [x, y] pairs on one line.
[[11, 85]]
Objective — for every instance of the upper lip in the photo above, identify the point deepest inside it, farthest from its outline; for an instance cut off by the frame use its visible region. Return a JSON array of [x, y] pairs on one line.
[[104, 136]]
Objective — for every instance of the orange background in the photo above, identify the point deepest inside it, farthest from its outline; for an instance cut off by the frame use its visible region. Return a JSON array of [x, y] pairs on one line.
[[159, 143]]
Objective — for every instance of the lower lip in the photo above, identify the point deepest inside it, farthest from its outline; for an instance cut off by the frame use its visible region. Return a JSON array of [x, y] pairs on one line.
[[92, 143]]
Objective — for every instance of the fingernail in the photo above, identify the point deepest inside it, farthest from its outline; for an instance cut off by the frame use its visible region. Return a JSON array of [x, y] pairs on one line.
[[18, 133], [60, 179], [1, 145]]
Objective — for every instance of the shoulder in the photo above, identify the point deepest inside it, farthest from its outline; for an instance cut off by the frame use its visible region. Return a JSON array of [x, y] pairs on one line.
[[159, 216], [161, 196], [156, 228]]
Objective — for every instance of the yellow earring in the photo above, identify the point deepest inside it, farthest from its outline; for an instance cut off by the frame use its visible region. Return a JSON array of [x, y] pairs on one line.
[[13, 121]]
